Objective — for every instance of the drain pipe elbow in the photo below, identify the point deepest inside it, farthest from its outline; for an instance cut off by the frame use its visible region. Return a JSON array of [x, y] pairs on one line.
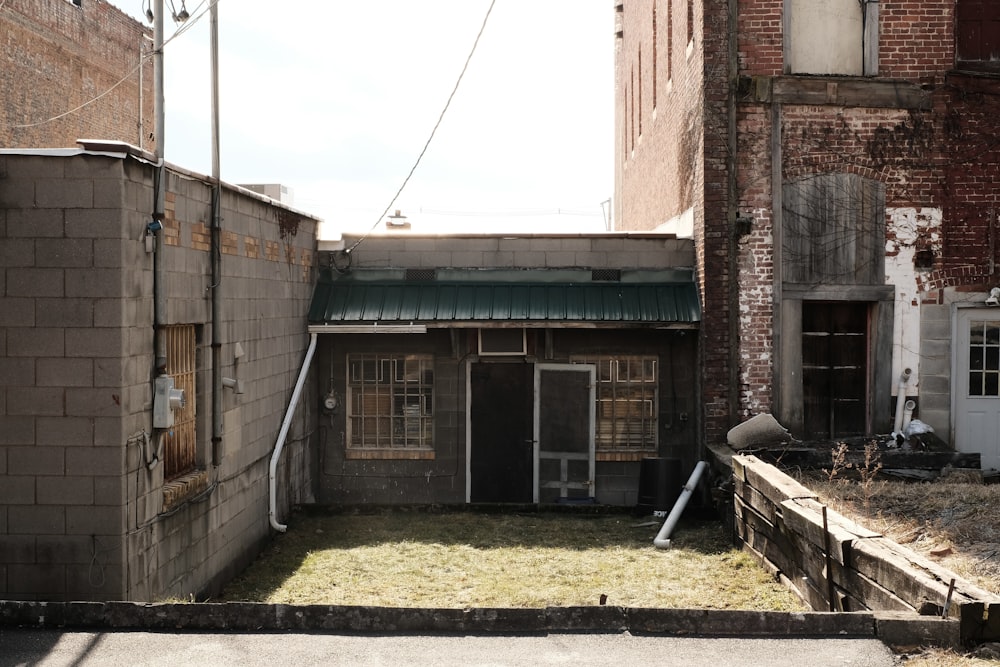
[[662, 539], [904, 379], [272, 473]]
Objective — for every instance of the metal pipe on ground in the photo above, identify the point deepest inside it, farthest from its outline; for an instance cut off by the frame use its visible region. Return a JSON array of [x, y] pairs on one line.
[[662, 539]]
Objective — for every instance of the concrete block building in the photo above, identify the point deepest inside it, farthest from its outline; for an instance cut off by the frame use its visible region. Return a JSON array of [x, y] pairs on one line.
[[108, 492], [836, 165], [494, 369]]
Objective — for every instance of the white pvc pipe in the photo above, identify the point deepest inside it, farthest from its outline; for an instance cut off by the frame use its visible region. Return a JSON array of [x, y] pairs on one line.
[[272, 474], [662, 539], [908, 408], [900, 400]]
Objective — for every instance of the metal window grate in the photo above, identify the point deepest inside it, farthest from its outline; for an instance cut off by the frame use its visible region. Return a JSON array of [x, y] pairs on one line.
[[390, 401], [180, 449], [606, 275], [421, 274], [626, 402]]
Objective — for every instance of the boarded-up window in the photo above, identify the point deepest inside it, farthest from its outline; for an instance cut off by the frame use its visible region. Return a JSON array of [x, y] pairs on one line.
[[833, 228], [390, 401], [831, 37], [626, 402], [977, 33], [180, 446]]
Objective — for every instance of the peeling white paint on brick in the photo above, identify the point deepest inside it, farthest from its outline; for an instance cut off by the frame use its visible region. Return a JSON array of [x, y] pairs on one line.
[[756, 299], [908, 230]]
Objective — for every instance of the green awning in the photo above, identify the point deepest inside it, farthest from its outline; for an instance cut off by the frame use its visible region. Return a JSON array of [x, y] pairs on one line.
[[526, 297]]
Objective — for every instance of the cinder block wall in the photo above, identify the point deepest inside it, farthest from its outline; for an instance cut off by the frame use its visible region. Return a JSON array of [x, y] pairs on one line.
[[84, 510], [57, 56], [625, 250]]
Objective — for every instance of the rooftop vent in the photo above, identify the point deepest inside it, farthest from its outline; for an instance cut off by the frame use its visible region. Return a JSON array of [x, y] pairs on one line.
[[606, 275], [421, 274]]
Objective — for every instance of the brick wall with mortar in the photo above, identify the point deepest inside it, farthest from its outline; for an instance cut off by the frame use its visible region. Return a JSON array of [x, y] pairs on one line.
[[942, 158], [671, 158], [56, 57], [81, 514]]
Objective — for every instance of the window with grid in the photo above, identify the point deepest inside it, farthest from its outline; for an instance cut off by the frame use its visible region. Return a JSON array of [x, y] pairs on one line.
[[390, 401], [984, 358], [180, 446], [626, 402]]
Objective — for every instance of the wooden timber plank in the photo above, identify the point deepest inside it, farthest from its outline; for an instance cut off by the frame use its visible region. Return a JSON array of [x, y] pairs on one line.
[[804, 519], [771, 482], [902, 572], [797, 581], [755, 530], [757, 500]]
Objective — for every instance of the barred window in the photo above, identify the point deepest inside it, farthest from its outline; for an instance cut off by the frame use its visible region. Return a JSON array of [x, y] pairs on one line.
[[180, 448], [626, 403], [390, 401]]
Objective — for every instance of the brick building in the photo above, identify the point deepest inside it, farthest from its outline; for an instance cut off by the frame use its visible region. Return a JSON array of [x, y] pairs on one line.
[[73, 70], [836, 164]]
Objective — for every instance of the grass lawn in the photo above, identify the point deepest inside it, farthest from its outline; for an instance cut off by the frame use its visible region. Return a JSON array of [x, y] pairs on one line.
[[461, 559]]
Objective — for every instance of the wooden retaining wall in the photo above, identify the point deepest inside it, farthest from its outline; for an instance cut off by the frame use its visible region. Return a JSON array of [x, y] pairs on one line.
[[837, 565]]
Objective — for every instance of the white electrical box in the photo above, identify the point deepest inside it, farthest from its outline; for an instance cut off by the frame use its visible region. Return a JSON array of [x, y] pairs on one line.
[[166, 399]]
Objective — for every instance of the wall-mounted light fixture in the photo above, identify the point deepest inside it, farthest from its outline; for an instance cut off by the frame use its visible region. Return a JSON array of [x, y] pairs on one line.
[[994, 298]]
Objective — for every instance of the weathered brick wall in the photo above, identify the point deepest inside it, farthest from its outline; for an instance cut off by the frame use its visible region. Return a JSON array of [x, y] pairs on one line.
[[658, 112], [671, 157], [939, 167], [56, 57], [83, 513]]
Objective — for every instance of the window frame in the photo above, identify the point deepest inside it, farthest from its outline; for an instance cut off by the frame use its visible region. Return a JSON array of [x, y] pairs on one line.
[[869, 41], [382, 391], [962, 38], [614, 388]]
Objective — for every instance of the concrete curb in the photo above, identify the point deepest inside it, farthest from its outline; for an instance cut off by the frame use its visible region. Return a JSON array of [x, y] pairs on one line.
[[892, 629]]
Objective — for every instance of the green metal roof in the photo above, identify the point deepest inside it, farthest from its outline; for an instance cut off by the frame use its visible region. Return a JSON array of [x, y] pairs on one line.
[[525, 296]]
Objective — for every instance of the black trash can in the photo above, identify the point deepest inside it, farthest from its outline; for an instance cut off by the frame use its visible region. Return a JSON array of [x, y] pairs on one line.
[[660, 484]]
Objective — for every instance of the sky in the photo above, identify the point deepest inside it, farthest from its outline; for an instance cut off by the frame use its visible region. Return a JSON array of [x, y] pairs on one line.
[[336, 99]]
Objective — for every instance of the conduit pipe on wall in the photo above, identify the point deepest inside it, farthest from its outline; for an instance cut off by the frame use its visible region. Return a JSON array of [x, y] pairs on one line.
[[904, 378], [272, 475], [662, 539]]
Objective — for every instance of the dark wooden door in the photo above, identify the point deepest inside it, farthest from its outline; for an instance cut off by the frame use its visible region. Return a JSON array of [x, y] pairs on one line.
[[502, 450], [835, 369]]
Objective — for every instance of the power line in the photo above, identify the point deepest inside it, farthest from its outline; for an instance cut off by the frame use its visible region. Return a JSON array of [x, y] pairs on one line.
[[433, 131]]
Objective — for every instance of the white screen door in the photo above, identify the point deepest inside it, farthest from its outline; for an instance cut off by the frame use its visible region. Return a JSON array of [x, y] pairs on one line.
[[564, 431]]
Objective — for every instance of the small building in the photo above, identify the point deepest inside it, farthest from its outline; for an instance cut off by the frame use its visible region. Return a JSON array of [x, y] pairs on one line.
[[479, 368]]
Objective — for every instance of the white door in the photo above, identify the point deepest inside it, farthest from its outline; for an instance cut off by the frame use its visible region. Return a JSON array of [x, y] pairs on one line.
[[564, 431], [976, 384]]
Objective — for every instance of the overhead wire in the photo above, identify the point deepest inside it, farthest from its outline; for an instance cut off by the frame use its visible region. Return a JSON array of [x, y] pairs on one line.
[[433, 131]]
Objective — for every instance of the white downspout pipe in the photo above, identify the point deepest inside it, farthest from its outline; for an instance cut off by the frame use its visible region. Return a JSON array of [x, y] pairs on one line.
[[272, 474], [904, 378], [662, 539], [908, 409]]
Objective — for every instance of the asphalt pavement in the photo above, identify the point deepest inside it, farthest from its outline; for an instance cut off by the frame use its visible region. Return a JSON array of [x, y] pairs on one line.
[[55, 648]]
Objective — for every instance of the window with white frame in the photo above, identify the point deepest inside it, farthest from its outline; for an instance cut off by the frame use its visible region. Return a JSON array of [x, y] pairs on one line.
[[390, 401], [831, 37], [626, 402]]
